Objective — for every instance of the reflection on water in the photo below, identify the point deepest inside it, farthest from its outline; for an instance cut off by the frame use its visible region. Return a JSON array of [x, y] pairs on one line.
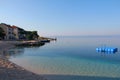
[[12, 52], [18, 51], [108, 52], [72, 56]]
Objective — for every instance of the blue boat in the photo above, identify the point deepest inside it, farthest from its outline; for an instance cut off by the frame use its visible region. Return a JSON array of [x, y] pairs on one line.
[[106, 49]]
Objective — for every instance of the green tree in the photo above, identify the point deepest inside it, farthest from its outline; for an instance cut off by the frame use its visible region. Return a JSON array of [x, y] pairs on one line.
[[31, 35], [35, 34], [2, 33]]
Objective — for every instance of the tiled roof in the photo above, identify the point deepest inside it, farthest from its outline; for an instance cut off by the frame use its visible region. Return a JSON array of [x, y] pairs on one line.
[[14, 26]]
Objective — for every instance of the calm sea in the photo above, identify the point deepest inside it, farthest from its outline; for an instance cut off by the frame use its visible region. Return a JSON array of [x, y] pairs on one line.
[[71, 58]]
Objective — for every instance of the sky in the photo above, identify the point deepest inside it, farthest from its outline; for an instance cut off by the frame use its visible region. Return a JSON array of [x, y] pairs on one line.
[[63, 17]]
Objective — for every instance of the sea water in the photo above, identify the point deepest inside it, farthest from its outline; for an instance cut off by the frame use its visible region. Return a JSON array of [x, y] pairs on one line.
[[70, 58]]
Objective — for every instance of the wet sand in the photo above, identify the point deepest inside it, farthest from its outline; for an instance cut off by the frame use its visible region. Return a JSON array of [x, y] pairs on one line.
[[11, 71]]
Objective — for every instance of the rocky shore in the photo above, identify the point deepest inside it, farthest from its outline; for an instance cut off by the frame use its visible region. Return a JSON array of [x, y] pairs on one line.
[[11, 71]]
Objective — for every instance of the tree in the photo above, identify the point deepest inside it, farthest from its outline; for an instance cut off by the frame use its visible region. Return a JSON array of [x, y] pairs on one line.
[[31, 35], [2, 33]]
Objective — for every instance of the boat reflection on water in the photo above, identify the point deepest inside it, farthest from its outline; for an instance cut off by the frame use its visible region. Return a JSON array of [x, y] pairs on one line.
[[108, 52]]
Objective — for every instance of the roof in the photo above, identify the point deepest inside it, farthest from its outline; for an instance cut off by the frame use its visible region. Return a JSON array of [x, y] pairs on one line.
[[6, 25], [14, 26]]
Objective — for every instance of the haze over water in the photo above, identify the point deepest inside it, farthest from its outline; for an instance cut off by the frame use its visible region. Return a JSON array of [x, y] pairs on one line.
[[71, 56]]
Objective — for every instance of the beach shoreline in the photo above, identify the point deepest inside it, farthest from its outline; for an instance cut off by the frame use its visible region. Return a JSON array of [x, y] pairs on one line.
[[10, 70]]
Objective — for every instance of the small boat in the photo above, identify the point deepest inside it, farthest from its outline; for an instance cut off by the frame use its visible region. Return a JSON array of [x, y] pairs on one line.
[[106, 49]]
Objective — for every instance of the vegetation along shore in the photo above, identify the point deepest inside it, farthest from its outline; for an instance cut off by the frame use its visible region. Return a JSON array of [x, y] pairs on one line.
[[11, 71], [10, 37]]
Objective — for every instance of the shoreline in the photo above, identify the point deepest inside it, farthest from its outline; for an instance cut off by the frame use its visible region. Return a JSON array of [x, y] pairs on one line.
[[10, 70]]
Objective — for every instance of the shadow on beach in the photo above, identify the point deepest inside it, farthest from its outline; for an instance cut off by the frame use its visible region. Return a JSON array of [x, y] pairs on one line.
[[75, 77]]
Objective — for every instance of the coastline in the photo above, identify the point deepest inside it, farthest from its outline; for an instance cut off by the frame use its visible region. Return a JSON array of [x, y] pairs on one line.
[[11, 71]]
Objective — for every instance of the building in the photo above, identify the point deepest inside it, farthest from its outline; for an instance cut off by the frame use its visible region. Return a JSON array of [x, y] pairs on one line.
[[17, 33], [9, 35], [22, 34]]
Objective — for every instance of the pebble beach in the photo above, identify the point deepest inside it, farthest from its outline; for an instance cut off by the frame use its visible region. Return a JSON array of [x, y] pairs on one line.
[[11, 71]]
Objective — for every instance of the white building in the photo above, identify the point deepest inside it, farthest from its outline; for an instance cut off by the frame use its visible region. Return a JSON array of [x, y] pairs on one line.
[[9, 35]]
